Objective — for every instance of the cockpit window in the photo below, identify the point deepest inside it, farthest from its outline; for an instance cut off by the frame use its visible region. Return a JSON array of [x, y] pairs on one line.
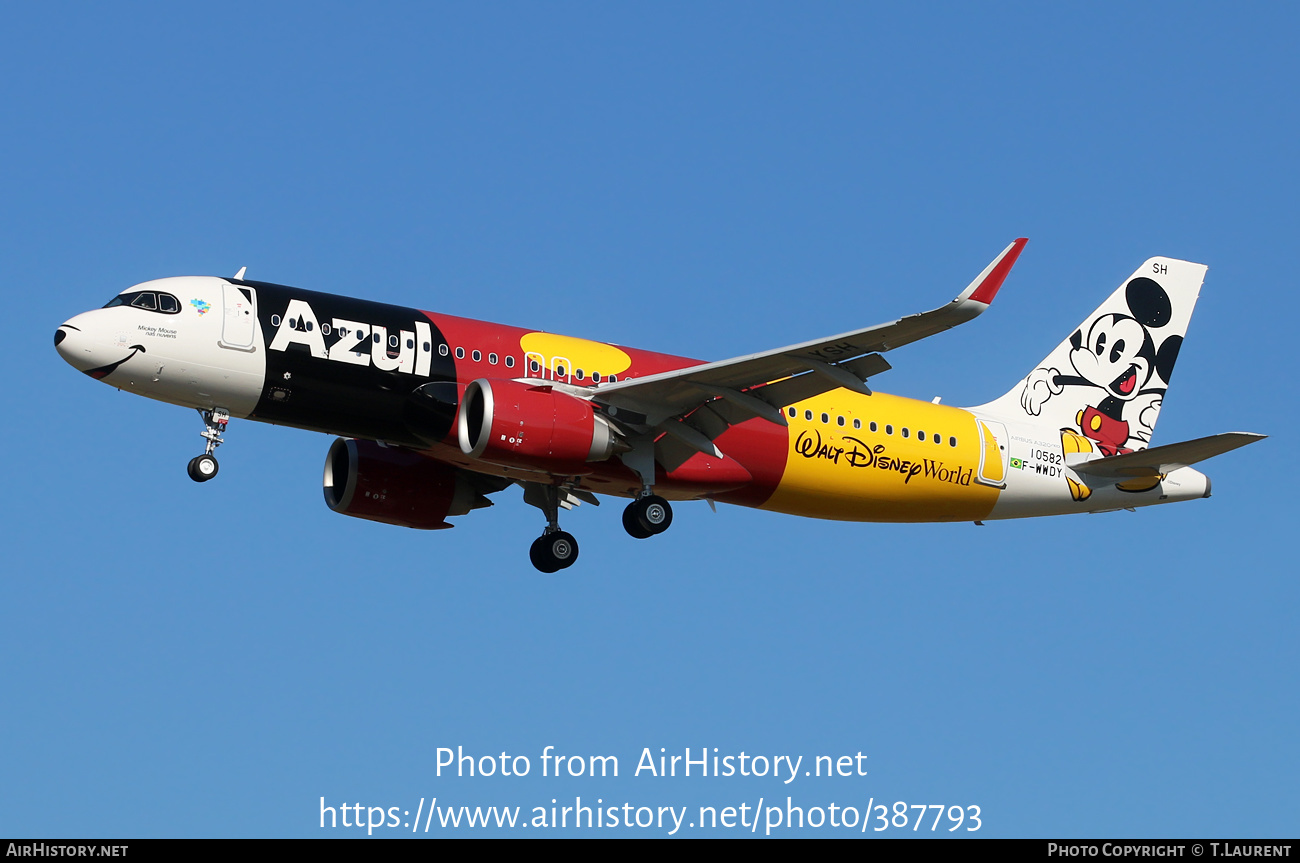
[[150, 301]]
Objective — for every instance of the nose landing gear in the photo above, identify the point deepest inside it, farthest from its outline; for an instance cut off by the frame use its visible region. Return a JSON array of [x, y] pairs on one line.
[[204, 467]]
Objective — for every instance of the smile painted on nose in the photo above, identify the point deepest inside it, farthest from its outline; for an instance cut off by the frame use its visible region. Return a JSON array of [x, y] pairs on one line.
[[84, 355]]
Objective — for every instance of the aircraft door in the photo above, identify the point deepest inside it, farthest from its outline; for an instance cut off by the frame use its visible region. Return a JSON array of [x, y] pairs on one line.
[[993, 454], [239, 327], [561, 369]]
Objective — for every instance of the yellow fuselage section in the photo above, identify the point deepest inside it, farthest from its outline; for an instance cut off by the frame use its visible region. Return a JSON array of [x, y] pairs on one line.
[[855, 457]]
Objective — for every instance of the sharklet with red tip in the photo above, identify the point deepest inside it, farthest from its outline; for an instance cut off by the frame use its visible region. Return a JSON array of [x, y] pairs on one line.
[[997, 274]]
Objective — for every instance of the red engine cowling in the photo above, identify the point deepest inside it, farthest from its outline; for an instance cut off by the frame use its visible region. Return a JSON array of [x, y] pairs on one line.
[[508, 422], [394, 486]]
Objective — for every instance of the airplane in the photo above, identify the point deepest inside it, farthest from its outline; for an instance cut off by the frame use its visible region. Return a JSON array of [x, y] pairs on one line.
[[433, 413]]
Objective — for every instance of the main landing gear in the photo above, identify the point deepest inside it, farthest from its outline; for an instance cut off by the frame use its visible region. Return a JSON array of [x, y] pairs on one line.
[[647, 516], [555, 549], [204, 467]]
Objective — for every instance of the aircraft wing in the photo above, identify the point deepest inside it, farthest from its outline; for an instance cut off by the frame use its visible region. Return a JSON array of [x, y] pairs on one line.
[[759, 385], [1163, 459]]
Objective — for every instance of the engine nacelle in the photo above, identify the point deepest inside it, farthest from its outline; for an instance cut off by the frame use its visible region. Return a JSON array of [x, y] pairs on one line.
[[508, 422], [395, 486]]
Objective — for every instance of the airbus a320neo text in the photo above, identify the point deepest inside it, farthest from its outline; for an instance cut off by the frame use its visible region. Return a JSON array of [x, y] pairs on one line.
[[434, 413]]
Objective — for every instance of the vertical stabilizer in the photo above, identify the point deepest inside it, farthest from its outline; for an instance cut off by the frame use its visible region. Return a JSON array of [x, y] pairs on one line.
[[1107, 381]]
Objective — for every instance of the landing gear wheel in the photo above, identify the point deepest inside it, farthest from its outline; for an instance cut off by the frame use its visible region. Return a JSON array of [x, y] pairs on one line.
[[632, 526], [202, 468], [647, 516], [554, 551]]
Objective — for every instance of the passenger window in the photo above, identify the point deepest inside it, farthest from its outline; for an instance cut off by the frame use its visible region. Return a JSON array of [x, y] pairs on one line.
[[920, 435], [874, 427], [793, 412], [492, 358], [952, 441], [478, 356], [375, 338], [559, 371], [857, 424], [840, 420], [825, 419], [889, 429], [442, 350], [807, 415], [510, 362], [393, 341], [577, 373], [613, 379], [595, 376], [905, 431], [534, 366], [410, 343], [460, 353]]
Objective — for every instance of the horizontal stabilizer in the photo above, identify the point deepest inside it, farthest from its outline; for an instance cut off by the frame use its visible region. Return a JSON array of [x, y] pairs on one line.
[[1170, 457]]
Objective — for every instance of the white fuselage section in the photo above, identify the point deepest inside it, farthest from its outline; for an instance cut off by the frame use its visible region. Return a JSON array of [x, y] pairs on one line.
[[208, 353]]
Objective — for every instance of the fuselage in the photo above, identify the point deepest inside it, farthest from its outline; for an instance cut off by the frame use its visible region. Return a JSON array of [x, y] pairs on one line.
[[396, 375]]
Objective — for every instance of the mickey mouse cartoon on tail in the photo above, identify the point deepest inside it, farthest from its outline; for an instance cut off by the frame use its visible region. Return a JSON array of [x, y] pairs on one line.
[[1107, 381], [1118, 356]]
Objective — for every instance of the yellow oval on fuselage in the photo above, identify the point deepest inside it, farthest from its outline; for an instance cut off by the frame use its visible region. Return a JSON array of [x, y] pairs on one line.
[[579, 353]]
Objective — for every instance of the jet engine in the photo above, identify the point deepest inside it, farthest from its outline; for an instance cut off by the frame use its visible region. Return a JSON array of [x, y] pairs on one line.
[[396, 486], [514, 423]]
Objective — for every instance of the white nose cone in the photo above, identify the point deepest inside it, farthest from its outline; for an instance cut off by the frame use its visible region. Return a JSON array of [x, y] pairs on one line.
[[75, 346], [82, 344]]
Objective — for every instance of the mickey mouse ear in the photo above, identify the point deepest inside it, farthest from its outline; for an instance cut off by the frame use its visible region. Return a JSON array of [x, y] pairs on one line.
[[1167, 356], [1148, 302]]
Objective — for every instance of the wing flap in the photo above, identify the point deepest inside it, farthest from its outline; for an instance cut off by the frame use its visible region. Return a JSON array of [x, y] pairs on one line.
[[796, 389]]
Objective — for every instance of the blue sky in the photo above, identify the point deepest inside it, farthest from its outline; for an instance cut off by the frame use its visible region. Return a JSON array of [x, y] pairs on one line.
[[185, 660]]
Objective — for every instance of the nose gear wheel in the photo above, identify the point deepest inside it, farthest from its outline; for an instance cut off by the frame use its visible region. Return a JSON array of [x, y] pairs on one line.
[[204, 467]]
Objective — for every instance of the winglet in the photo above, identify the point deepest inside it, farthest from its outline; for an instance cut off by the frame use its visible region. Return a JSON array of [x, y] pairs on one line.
[[986, 284]]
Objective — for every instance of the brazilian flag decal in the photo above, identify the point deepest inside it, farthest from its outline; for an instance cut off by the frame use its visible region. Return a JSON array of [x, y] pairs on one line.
[[1018, 463]]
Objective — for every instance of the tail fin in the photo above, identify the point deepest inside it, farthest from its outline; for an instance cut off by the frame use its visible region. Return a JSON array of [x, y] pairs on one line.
[[1108, 379]]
